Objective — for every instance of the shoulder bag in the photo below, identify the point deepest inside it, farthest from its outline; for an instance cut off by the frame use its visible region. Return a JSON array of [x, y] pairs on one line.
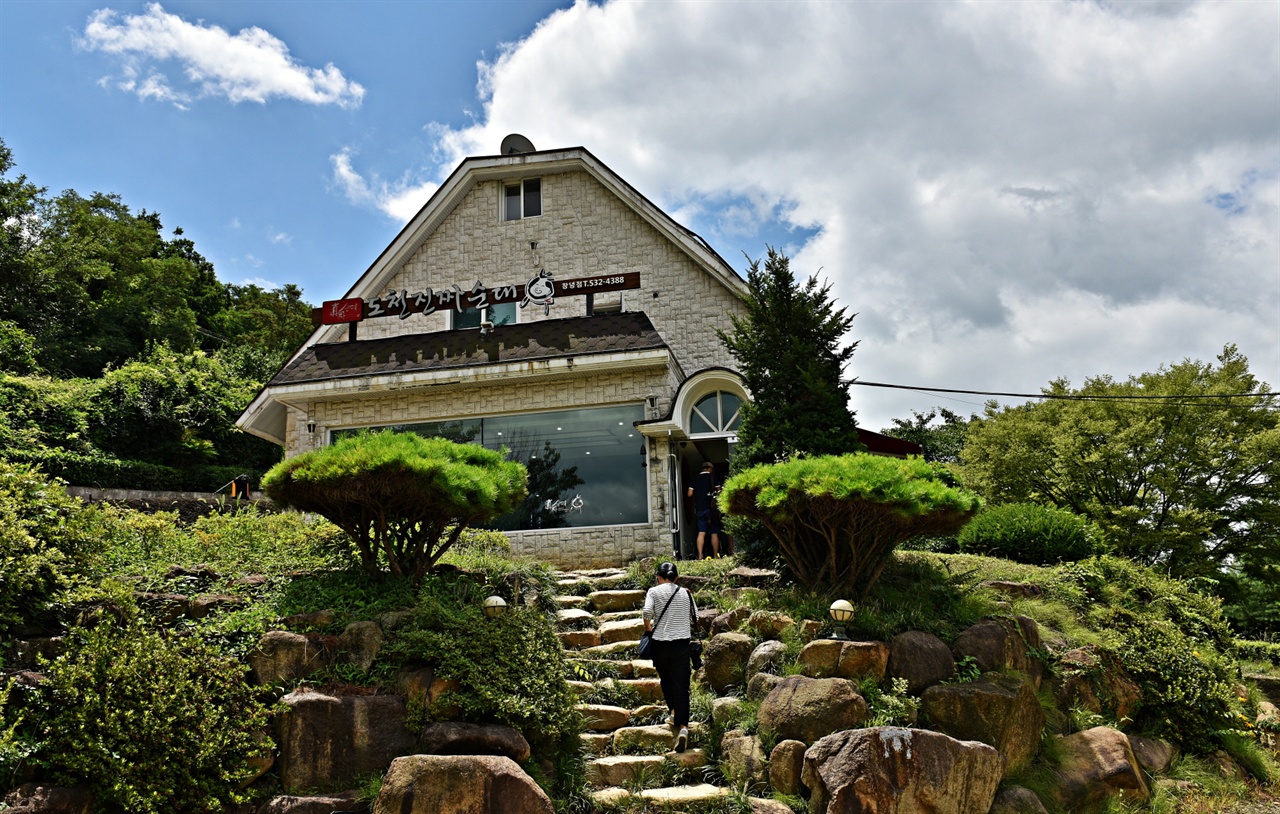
[[645, 651], [695, 646]]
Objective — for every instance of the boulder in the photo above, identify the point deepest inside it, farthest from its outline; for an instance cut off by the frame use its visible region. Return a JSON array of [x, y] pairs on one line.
[[456, 738], [727, 710], [833, 658], [483, 784], [752, 577], [1096, 764], [1095, 680], [606, 601], [761, 684], [729, 622], [765, 805], [282, 657], [209, 604], [40, 798], [889, 769], [786, 763], [769, 624], [1001, 711], [806, 709], [743, 760], [347, 801], [706, 618], [725, 660], [1018, 800], [327, 742], [1002, 644], [921, 658], [768, 657], [422, 685], [1154, 755], [317, 620], [361, 641]]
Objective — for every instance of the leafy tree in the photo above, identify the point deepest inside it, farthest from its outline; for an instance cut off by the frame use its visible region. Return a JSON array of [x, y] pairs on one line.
[[400, 497], [1189, 485], [837, 519], [787, 346], [942, 442]]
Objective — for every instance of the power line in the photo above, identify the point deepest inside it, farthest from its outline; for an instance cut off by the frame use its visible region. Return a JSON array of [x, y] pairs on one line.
[[1061, 397]]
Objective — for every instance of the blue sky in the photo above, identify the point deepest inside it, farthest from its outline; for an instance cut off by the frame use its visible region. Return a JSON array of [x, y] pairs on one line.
[[1006, 193]]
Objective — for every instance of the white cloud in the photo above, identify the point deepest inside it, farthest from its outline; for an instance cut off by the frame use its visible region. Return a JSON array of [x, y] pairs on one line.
[[260, 282], [1006, 192], [281, 237], [249, 66], [399, 200]]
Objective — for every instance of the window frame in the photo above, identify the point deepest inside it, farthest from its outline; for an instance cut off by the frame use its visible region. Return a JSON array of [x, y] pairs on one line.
[[524, 197]]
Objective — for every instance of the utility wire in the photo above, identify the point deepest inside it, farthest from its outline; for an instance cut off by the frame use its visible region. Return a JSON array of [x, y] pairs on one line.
[[1063, 397]]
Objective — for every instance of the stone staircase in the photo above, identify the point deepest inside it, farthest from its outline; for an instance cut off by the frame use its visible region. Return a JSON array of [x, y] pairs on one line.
[[621, 700]]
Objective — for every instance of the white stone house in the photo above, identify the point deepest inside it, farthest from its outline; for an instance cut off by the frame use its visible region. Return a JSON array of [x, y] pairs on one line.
[[617, 375]]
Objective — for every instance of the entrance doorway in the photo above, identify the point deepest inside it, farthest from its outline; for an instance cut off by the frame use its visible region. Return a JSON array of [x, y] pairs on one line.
[[691, 456]]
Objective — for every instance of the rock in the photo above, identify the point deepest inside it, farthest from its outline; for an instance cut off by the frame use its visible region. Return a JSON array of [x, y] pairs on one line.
[[394, 620], [648, 689], [605, 601], [833, 658], [745, 596], [430, 784], [727, 710], [1019, 590], [623, 770], [348, 801], [361, 642], [310, 621], [574, 639], [422, 685], [729, 622], [621, 630], [768, 657], [1095, 680], [203, 606], [786, 763], [1001, 711], [570, 601], [283, 657], [596, 743], [325, 741], [456, 738], [574, 617], [921, 658], [806, 709], [706, 618], [1268, 685], [261, 763], [647, 739], [678, 796], [40, 798], [602, 718], [809, 629], [1154, 755], [1096, 764], [752, 577], [769, 624], [888, 769], [725, 660], [761, 684], [28, 652], [744, 761], [689, 758], [1018, 800], [763, 805], [1002, 644], [164, 608]]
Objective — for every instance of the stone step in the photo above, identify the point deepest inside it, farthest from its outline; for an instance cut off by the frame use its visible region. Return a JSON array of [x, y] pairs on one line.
[[648, 689], [638, 613], [611, 601], [621, 630], [653, 739], [612, 648], [571, 601], [632, 668], [603, 718], [625, 770], [596, 743], [671, 797], [574, 618], [579, 639]]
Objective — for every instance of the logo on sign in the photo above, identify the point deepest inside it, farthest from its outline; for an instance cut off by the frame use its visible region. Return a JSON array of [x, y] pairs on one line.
[[540, 290]]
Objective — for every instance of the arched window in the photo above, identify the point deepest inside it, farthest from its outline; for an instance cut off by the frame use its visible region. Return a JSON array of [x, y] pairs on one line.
[[720, 411]]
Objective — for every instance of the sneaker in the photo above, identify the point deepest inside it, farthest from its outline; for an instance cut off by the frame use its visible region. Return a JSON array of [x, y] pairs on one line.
[[682, 740], [671, 720]]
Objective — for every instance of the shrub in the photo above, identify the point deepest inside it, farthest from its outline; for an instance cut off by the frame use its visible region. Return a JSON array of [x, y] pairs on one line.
[[48, 540], [1030, 533], [837, 519], [155, 725], [399, 496]]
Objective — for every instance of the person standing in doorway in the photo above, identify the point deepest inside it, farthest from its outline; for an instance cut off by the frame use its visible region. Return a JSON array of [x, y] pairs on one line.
[[703, 492], [669, 611]]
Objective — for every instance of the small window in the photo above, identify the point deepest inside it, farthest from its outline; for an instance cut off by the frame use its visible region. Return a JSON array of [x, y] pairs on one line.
[[500, 314], [522, 200], [716, 412]]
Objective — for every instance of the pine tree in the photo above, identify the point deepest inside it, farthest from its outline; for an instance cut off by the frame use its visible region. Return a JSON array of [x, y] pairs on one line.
[[787, 346]]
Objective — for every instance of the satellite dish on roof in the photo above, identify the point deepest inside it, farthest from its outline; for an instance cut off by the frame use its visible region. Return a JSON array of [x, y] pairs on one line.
[[515, 144]]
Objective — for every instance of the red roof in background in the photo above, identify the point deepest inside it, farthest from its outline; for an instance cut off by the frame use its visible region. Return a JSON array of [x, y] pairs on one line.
[[888, 445]]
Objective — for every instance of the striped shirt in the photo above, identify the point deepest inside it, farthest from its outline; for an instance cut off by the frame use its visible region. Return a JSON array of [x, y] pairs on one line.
[[676, 621]]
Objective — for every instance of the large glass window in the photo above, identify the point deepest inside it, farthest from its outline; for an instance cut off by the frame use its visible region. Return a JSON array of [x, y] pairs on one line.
[[584, 465], [501, 314]]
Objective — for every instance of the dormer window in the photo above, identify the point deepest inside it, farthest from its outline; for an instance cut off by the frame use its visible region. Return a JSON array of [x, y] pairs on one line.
[[522, 200]]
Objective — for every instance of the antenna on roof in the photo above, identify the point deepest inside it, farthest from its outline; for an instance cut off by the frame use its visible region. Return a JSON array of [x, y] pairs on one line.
[[515, 144]]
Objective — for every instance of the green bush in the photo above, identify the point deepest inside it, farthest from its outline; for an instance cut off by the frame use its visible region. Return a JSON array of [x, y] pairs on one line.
[[1030, 533], [1258, 651], [48, 541], [837, 519], [156, 725]]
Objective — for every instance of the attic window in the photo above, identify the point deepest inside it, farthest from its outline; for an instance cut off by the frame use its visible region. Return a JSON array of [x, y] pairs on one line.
[[522, 200]]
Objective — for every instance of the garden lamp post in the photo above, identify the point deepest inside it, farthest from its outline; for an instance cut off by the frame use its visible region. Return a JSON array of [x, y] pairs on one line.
[[495, 606], [841, 612]]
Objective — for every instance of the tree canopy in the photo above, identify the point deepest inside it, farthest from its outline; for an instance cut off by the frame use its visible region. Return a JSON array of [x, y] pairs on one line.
[[402, 499], [787, 347], [941, 442], [1191, 485], [837, 518]]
